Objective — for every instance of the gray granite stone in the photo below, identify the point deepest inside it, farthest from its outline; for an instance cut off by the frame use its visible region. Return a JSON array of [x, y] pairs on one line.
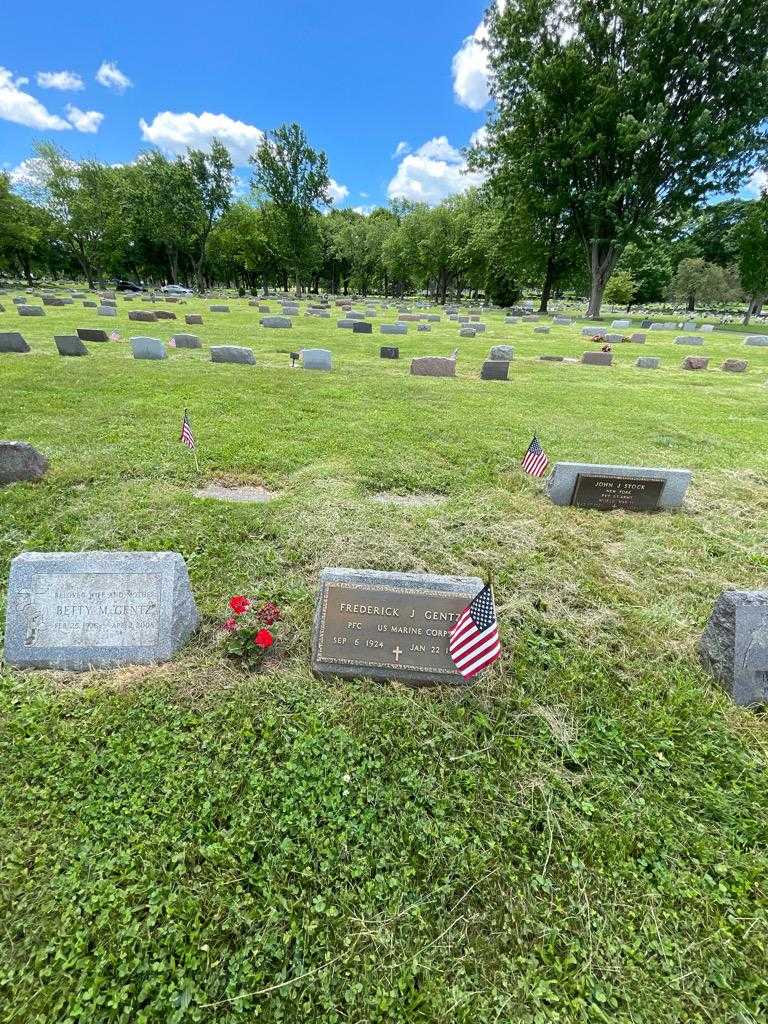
[[424, 328], [564, 477], [621, 323], [346, 324], [145, 316], [648, 362], [232, 354], [148, 348], [20, 462], [389, 352], [186, 341], [97, 609], [688, 339], [597, 358], [164, 314], [467, 331], [562, 321], [106, 311], [393, 329], [706, 328], [541, 330], [638, 338], [661, 326], [593, 332], [756, 340], [193, 318], [495, 369], [436, 602], [735, 366], [316, 359], [89, 305], [362, 327], [275, 321], [12, 341], [433, 366], [503, 352], [69, 345], [219, 309], [31, 310], [734, 645], [92, 334], [552, 359]]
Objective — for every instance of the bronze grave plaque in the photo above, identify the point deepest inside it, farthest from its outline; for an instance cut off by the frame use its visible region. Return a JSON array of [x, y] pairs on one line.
[[385, 625], [632, 493]]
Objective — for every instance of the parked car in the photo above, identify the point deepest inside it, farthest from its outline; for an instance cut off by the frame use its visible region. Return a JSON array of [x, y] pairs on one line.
[[175, 289], [128, 286]]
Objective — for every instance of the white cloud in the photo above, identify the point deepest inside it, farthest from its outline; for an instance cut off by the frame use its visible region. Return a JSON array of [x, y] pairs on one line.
[[363, 195], [27, 173], [756, 184], [470, 71], [174, 132], [440, 148], [338, 192], [364, 210], [84, 120], [479, 137], [21, 108], [401, 149], [66, 81], [111, 77], [435, 171]]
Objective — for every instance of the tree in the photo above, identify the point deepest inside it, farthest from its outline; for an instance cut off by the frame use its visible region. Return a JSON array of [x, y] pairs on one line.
[[697, 281], [211, 173], [620, 289], [750, 238], [294, 177], [628, 126]]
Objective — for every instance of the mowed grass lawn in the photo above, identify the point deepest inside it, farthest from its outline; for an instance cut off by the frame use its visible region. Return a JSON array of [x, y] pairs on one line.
[[580, 836]]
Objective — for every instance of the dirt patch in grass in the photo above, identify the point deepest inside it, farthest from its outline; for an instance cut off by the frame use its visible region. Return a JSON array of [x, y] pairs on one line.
[[408, 500]]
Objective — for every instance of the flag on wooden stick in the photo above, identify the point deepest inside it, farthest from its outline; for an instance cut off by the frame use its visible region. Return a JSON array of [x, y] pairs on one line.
[[474, 638], [535, 460], [187, 437]]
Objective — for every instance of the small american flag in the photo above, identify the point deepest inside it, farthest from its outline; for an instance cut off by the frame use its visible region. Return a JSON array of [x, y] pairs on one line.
[[474, 642], [535, 460], [187, 437]]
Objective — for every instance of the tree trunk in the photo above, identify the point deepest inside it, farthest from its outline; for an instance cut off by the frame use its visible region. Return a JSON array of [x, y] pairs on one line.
[[691, 303], [754, 305], [386, 285], [602, 265], [546, 288]]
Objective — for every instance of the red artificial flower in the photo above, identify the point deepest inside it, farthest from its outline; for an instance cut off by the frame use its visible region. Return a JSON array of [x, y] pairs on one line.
[[230, 625], [264, 639], [269, 613], [239, 604]]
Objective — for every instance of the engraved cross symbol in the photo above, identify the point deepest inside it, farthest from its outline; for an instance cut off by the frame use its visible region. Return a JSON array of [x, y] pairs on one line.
[[397, 652]]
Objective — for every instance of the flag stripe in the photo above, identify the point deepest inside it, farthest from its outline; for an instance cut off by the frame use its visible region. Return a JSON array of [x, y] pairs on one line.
[[474, 638]]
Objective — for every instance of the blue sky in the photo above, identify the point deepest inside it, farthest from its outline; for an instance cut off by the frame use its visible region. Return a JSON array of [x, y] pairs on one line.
[[390, 91]]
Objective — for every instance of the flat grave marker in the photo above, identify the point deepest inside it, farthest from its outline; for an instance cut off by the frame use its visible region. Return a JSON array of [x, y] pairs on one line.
[[604, 487]]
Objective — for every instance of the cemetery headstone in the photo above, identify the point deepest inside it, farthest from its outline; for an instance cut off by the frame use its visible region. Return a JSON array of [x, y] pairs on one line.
[[148, 348], [734, 645], [346, 324], [92, 334], [756, 340], [695, 363], [632, 488], [21, 463], [433, 366], [142, 315], [541, 330], [193, 318], [389, 352], [97, 609], [621, 323], [316, 359], [424, 328], [648, 362], [219, 309], [12, 341], [551, 359], [504, 352], [593, 332], [495, 369], [393, 328], [385, 625], [232, 354], [164, 314], [106, 311], [31, 310], [597, 358], [186, 341], [688, 339], [69, 345], [638, 338], [361, 327], [275, 321], [735, 366]]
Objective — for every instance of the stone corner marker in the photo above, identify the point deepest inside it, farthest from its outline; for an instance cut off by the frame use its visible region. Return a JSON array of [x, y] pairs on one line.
[[95, 609], [388, 625], [604, 487], [20, 463], [734, 645]]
